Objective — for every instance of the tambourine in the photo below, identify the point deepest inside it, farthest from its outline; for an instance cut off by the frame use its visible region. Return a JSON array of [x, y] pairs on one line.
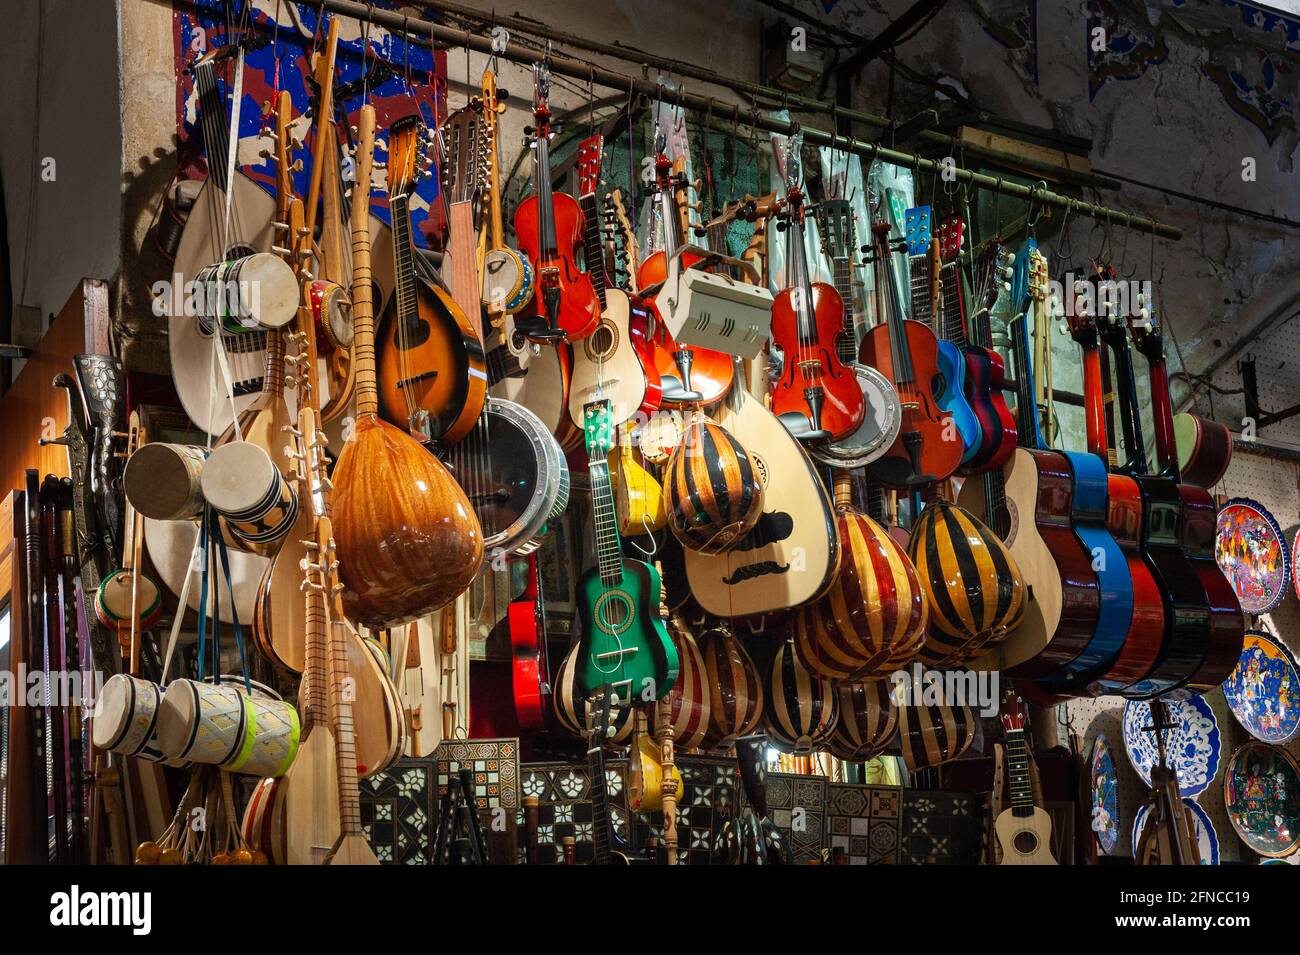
[[1253, 554]]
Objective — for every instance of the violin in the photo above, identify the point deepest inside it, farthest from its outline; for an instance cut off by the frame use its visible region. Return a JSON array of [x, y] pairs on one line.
[[817, 396], [551, 228], [928, 447]]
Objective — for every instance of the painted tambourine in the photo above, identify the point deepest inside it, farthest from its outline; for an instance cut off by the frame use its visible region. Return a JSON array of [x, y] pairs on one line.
[[1105, 796], [1262, 691], [1261, 794], [1253, 554], [1191, 748], [1207, 839]]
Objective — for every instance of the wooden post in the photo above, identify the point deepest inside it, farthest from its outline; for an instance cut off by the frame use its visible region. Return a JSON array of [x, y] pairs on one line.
[[664, 734]]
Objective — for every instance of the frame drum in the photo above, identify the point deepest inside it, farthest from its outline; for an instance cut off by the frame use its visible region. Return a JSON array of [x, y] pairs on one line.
[[507, 280], [126, 718], [331, 309], [256, 292], [879, 428], [162, 481], [244, 486]]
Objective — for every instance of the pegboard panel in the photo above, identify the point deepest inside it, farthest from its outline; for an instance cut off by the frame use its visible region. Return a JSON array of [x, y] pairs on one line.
[[1277, 377], [1274, 483]]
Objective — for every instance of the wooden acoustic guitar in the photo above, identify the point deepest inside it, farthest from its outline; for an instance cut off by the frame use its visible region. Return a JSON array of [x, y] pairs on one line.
[[1025, 830]]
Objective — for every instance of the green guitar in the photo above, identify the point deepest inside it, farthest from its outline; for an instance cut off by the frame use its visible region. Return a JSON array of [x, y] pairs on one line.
[[624, 642]]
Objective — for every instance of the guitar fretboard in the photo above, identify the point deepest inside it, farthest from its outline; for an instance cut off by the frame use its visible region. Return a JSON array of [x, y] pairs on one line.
[[848, 346], [1022, 791], [404, 260], [591, 245], [609, 550]]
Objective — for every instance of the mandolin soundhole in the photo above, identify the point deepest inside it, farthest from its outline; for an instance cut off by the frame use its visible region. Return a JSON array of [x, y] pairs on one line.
[[1025, 842]]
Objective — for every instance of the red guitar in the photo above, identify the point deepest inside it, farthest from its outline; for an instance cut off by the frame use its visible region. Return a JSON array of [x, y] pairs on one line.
[[1199, 522], [929, 447], [689, 374], [550, 227], [531, 673], [817, 398]]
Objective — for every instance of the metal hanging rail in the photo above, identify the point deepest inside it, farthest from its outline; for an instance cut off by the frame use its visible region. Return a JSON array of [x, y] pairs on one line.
[[418, 29]]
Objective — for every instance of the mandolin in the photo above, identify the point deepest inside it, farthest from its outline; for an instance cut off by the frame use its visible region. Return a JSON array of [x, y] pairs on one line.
[[615, 360], [432, 375], [407, 537], [906, 352], [530, 669], [817, 397], [1025, 830], [1199, 525], [624, 643], [550, 227]]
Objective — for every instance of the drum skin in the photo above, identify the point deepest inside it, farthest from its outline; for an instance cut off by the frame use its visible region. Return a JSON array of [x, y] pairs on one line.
[[873, 618]]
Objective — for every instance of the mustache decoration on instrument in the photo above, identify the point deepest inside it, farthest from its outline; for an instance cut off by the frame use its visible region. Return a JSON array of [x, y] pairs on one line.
[[772, 527]]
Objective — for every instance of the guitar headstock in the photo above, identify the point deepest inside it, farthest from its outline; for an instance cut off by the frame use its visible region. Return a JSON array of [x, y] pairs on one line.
[[1147, 336], [994, 268], [408, 156], [466, 153], [619, 233], [598, 428], [952, 234], [792, 153], [916, 230], [600, 715], [835, 216], [1084, 323], [590, 153], [1014, 714]]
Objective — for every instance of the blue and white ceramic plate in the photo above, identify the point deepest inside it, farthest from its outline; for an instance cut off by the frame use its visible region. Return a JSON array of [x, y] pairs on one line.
[[1191, 749], [1105, 796], [1263, 692], [1207, 840]]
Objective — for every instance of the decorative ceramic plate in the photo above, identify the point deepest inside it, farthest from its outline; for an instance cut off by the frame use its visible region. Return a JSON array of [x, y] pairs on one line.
[[1191, 748], [1262, 691], [1261, 793], [1253, 554], [1105, 796], [1207, 840]]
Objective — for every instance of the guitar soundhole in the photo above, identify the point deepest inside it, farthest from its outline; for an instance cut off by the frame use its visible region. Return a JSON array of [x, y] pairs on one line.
[[1025, 842], [614, 611], [937, 385], [601, 343]]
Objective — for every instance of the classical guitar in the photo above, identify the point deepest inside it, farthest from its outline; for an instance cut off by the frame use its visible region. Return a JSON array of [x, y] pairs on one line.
[[924, 277], [1199, 524], [985, 369], [550, 229], [1186, 609], [1143, 645], [615, 361], [928, 447], [1025, 830], [607, 845], [624, 643], [432, 376], [530, 669], [883, 413], [817, 397]]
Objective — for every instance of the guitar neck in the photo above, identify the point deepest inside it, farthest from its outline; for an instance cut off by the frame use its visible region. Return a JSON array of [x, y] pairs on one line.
[[1162, 415], [1129, 418], [1022, 790], [848, 346], [592, 246], [212, 117], [344, 731], [1094, 411], [918, 267], [609, 548], [603, 838], [954, 309], [1026, 407], [363, 316], [403, 260]]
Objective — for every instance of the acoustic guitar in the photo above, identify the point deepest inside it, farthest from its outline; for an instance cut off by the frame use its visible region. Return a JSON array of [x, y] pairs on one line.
[[624, 643], [1025, 830], [530, 669]]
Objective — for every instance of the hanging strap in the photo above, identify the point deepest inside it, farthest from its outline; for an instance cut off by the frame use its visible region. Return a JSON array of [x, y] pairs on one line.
[[234, 614]]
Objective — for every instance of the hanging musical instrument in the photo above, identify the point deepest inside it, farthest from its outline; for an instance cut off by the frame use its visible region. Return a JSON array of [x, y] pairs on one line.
[[648, 777], [867, 721], [1204, 449], [790, 555], [416, 682], [550, 227], [569, 702], [816, 397], [735, 686], [638, 495], [883, 413], [508, 277], [624, 643], [432, 376], [715, 492], [801, 708], [750, 836], [530, 668], [924, 266], [608, 846], [615, 360], [1198, 527], [1025, 830], [928, 447], [407, 536], [1169, 837], [688, 703]]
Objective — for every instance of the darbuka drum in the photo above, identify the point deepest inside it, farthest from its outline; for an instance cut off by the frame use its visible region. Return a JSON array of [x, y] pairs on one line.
[[162, 481], [244, 486], [113, 600], [126, 717], [256, 292], [331, 310]]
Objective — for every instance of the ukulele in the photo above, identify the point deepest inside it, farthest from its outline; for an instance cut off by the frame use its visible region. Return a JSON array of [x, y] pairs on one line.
[[817, 398], [624, 642], [608, 846], [1199, 525], [1025, 830], [924, 264], [615, 360], [1186, 609], [550, 228], [986, 371], [432, 377], [928, 447], [530, 670]]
